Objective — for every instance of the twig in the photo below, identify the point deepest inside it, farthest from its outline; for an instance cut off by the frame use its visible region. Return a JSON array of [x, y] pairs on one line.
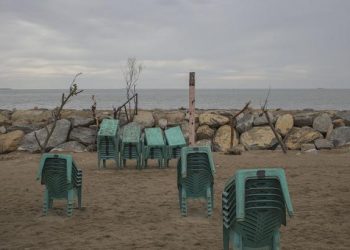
[[264, 110]]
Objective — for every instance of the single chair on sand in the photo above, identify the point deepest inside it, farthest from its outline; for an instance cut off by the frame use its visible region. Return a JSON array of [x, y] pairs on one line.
[[108, 142], [254, 204], [175, 141], [62, 178], [131, 145], [154, 146], [195, 176]]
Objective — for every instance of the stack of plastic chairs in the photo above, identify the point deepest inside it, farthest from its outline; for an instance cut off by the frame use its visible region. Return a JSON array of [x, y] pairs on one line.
[[131, 144], [175, 141], [108, 142], [154, 146], [254, 204], [195, 176], [62, 178]]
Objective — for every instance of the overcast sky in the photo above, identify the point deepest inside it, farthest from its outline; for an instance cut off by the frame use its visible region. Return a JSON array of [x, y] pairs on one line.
[[229, 44]]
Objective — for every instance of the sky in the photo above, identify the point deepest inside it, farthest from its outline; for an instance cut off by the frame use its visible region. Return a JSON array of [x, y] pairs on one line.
[[228, 43]]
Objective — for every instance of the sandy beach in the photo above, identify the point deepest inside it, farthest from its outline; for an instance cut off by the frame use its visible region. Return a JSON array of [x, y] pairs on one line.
[[132, 209]]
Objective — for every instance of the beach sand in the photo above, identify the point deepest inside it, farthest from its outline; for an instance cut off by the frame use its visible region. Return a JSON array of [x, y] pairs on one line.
[[132, 209]]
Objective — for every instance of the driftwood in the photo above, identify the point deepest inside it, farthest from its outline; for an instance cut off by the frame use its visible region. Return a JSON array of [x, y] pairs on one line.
[[56, 113], [233, 121], [93, 110], [264, 110]]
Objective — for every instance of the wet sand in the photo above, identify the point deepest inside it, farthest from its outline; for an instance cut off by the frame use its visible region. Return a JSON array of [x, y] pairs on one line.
[[132, 209]]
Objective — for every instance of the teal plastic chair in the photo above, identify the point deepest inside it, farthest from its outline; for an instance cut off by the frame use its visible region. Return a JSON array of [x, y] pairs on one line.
[[195, 176], [131, 145], [254, 204], [62, 179], [154, 146], [175, 140], [108, 142]]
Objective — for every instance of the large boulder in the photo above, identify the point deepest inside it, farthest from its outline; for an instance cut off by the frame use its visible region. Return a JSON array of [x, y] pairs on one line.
[[205, 132], [9, 142], [144, 118], [299, 136], [58, 137], [258, 138], [204, 142], [83, 135], [322, 123], [70, 146], [33, 116], [222, 139], [345, 115], [26, 128], [284, 124], [323, 144], [79, 121], [340, 136], [4, 120], [175, 117], [163, 123], [245, 123], [213, 120], [338, 123], [304, 119], [262, 120]]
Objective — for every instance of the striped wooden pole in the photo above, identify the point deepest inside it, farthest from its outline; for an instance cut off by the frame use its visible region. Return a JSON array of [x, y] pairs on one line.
[[192, 132]]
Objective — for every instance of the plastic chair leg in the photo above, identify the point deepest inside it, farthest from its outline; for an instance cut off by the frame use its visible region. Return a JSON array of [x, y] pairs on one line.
[[70, 202], [276, 241], [79, 197], [226, 238], [183, 202], [46, 202], [237, 241]]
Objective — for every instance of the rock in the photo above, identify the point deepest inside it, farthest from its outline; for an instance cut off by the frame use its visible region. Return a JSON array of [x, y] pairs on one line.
[[9, 142], [58, 137], [144, 118], [307, 146], [25, 117], [70, 146], [312, 151], [329, 132], [213, 120], [340, 136], [4, 120], [338, 123], [258, 138], [2, 129], [196, 117], [245, 123], [163, 123], [304, 119], [323, 144], [91, 148], [26, 128], [205, 132], [78, 121], [345, 116], [322, 123], [299, 136], [204, 142], [236, 150], [222, 139], [175, 118], [185, 130], [261, 120], [284, 124], [83, 135]]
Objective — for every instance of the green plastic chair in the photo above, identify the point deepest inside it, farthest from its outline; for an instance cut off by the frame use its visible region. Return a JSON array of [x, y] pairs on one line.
[[154, 146], [195, 176], [108, 142], [254, 204], [131, 145], [175, 140], [62, 178]]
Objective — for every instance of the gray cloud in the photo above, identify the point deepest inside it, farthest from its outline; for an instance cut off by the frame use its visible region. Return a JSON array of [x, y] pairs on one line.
[[230, 44]]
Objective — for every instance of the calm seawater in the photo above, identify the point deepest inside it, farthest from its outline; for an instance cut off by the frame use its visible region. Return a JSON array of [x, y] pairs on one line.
[[171, 99]]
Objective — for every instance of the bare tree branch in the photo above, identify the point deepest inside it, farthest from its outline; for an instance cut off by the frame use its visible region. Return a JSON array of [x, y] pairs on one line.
[[264, 111], [56, 113], [233, 121]]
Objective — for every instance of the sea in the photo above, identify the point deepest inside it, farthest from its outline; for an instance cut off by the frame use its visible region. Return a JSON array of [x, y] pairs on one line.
[[317, 99]]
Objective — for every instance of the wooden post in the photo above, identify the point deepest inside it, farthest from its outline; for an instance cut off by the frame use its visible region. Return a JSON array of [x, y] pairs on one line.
[[192, 125]]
